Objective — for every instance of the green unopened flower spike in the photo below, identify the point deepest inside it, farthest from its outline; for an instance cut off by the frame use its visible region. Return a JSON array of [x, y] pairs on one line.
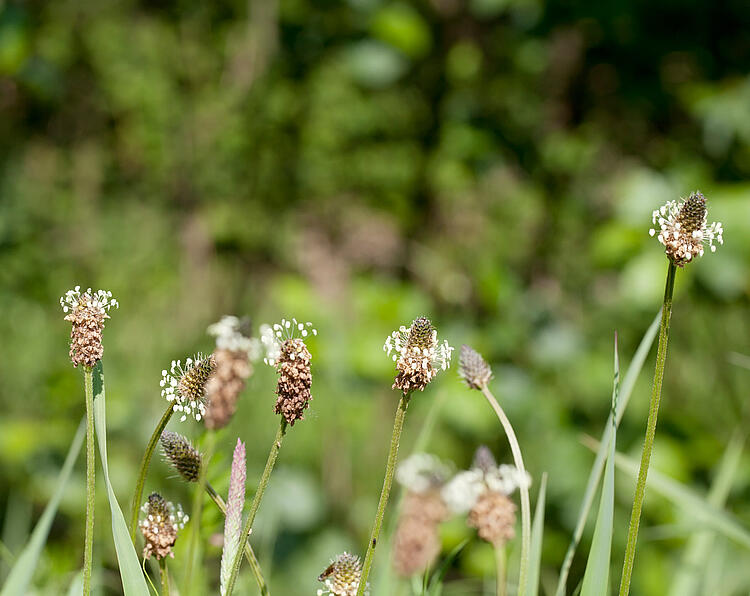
[[683, 230], [186, 386], [87, 312], [342, 576], [182, 455]]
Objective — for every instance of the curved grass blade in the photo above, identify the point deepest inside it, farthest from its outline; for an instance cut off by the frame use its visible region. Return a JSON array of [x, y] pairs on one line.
[[695, 505], [20, 575], [131, 575], [631, 376], [537, 536], [693, 567], [436, 583], [76, 586], [596, 576]]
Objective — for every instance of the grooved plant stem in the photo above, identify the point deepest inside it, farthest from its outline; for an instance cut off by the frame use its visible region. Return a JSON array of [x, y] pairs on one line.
[[523, 489], [164, 577], [648, 444], [398, 424], [88, 548], [249, 553], [135, 504], [270, 463]]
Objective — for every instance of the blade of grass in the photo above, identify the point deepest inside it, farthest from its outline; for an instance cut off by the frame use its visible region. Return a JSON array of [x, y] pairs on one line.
[[596, 576], [626, 390], [695, 505], [693, 569], [436, 583], [20, 575], [537, 535], [130, 569], [76, 586]]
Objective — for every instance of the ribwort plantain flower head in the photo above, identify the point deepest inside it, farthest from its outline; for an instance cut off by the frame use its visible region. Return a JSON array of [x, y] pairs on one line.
[[473, 369], [235, 352], [160, 526], [422, 472], [87, 312], [418, 355], [185, 386], [682, 229], [287, 352], [182, 455], [342, 576]]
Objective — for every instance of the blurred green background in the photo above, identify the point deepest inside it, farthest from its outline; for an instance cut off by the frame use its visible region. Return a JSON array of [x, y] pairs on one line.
[[490, 163]]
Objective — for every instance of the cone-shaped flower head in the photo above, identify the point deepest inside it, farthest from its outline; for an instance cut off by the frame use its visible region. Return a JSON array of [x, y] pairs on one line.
[[286, 350], [87, 312], [683, 229], [182, 455], [233, 520], [235, 351], [473, 369], [418, 355], [186, 386], [494, 517], [342, 576], [160, 526]]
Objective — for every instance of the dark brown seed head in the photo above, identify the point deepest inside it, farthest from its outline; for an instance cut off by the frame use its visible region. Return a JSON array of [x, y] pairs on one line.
[[182, 455], [295, 380]]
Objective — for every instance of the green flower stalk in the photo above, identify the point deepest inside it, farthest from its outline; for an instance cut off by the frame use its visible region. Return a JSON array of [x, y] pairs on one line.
[[684, 233], [287, 352], [184, 388], [476, 373], [418, 356], [87, 312]]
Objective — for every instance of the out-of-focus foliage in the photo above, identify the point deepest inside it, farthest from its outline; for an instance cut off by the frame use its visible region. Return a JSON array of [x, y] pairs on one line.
[[491, 163]]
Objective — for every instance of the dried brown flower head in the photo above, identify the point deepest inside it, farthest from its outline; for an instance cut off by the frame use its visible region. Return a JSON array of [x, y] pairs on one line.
[[417, 354], [342, 576], [182, 455], [87, 312], [473, 369], [286, 350], [416, 543], [160, 526], [494, 517], [683, 230]]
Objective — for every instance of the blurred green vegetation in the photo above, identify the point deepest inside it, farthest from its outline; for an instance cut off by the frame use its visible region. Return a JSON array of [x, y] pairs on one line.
[[490, 163]]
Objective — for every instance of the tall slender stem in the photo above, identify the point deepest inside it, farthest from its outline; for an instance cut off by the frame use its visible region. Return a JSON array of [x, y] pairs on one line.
[[648, 444], [249, 552], [501, 570], [88, 548], [247, 528], [195, 530], [164, 577], [390, 467], [135, 504], [523, 489]]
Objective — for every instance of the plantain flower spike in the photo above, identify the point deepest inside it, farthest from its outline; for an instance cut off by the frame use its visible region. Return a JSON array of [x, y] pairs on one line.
[[683, 231], [234, 354], [182, 455], [186, 386], [87, 312], [418, 355], [473, 369], [287, 352], [342, 576], [160, 526]]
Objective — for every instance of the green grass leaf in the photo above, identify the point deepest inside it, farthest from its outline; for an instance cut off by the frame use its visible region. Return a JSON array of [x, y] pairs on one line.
[[133, 582], [596, 576], [696, 506], [436, 583], [537, 536], [20, 575], [693, 567], [626, 390], [76, 586]]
